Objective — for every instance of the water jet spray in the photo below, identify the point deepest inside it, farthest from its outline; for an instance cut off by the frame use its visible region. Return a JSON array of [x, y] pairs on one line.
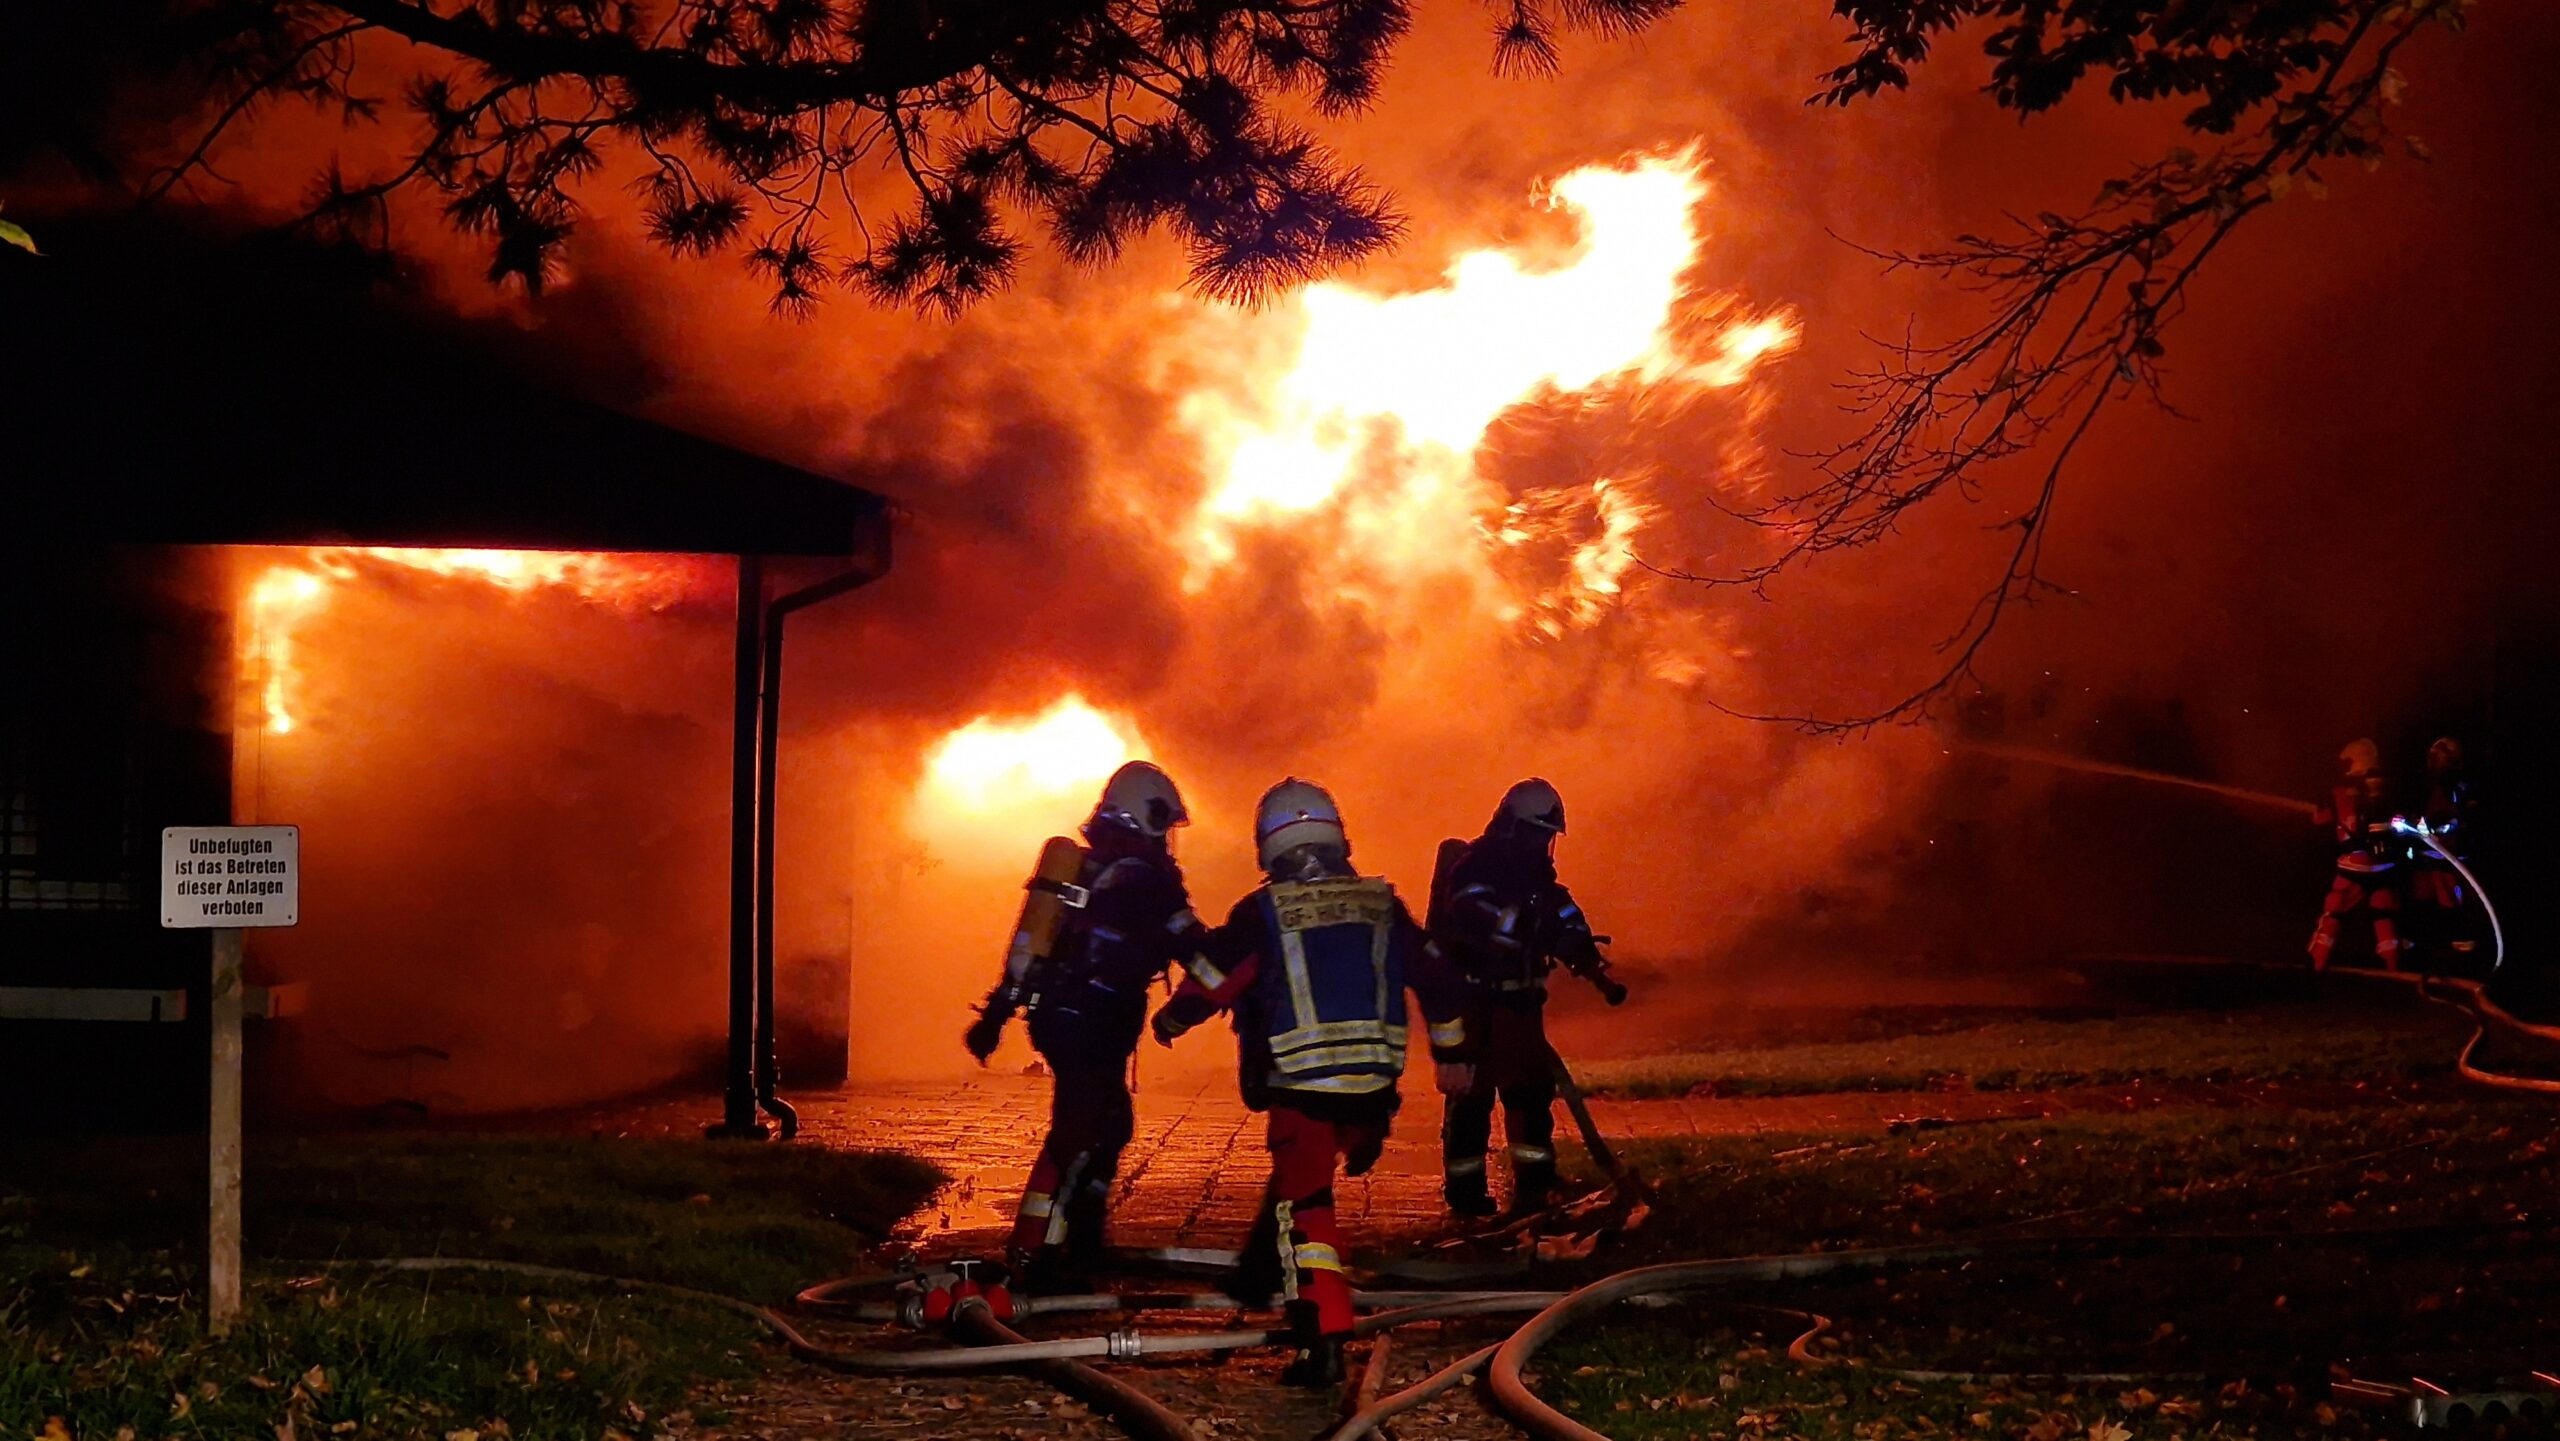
[[2060, 761]]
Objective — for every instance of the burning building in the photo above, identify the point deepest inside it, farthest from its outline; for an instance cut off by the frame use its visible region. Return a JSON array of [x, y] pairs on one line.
[[1398, 530], [257, 581]]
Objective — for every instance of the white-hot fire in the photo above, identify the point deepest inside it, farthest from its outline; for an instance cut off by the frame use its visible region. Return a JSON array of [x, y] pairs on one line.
[[999, 784]]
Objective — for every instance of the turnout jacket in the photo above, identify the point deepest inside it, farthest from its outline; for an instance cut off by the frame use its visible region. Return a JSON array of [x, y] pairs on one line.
[[1506, 921], [2359, 825], [1088, 1002], [1314, 974]]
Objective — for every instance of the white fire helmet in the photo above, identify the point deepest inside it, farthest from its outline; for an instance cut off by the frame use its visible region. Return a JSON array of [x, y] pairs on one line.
[[2361, 758], [1296, 813], [1141, 797], [2445, 755], [1533, 804]]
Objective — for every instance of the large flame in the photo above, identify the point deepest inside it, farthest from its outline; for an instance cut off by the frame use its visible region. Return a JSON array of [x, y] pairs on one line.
[[1405, 386], [1003, 783], [287, 594], [1361, 416]]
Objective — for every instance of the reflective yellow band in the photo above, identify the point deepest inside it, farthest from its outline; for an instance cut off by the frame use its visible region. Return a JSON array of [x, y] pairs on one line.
[[1449, 1033], [1317, 1257], [1281, 1213], [1354, 1085], [1208, 975], [1332, 1031], [1328, 1056], [1533, 1155], [1038, 1205], [1466, 1166]]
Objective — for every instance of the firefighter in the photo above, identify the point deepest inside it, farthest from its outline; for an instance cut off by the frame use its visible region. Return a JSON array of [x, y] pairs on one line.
[[1313, 967], [1119, 922], [2435, 887], [1502, 916], [2367, 876]]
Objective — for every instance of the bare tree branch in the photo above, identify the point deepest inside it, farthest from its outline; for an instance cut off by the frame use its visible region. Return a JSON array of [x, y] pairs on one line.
[[2075, 309]]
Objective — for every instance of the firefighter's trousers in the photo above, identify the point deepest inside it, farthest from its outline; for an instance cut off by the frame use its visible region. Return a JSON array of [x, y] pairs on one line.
[[1090, 1122]]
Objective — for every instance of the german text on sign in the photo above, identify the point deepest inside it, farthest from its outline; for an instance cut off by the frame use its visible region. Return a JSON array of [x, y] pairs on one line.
[[217, 876]]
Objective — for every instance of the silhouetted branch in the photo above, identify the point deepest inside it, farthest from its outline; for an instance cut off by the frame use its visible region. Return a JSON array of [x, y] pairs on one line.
[[1100, 120], [2075, 311]]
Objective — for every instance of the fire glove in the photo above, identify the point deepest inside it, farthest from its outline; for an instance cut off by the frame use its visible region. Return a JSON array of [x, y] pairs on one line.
[[1456, 1078], [1610, 990], [1166, 1026], [984, 1033]]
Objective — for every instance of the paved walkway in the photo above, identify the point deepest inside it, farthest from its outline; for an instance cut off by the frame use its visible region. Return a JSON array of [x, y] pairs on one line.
[[1193, 1174]]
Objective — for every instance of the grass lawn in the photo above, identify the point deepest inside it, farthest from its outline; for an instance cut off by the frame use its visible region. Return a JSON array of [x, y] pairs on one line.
[[2291, 1279], [2484, 1161], [1645, 1380], [2349, 1037], [101, 1298]]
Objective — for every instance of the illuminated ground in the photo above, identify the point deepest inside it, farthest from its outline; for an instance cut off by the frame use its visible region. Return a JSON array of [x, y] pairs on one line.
[[1194, 1172]]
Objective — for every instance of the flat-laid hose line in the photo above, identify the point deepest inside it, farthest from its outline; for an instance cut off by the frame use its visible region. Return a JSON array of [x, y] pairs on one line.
[[1139, 1414], [887, 1362], [1512, 1394], [1386, 1408]]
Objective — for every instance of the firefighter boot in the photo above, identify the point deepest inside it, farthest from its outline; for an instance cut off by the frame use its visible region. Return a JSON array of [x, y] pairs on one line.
[[1256, 1276], [1088, 1229], [1467, 1193], [1317, 1363], [1533, 1185], [1052, 1271]]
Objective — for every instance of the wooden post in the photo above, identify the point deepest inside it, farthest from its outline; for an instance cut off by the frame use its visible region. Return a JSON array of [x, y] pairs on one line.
[[222, 1253]]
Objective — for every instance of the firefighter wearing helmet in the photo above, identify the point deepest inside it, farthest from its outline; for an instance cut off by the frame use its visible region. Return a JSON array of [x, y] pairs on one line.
[[1101, 922], [1313, 967], [1498, 911], [2366, 880], [2436, 889]]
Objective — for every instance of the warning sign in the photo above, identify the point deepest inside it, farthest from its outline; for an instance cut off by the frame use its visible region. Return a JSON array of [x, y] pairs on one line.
[[217, 876]]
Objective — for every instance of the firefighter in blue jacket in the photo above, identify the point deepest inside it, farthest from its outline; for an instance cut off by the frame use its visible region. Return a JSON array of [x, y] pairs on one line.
[[1313, 967], [1499, 913]]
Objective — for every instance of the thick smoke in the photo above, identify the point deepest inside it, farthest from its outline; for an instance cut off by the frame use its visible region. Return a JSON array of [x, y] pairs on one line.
[[2253, 564]]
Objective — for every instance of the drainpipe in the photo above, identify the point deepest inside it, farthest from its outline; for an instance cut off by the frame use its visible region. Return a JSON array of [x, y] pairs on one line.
[[867, 569], [738, 1110]]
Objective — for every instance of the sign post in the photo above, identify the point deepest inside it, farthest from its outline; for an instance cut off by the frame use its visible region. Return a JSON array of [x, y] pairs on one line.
[[225, 879]]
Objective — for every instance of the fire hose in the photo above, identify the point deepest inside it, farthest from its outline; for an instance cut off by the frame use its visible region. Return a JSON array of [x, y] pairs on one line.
[[975, 1319], [2431, 837]]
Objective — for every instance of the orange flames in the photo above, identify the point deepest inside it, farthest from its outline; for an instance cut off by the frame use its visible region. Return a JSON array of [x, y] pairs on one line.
[[287, 594], [1365, 413], [1380, 402]]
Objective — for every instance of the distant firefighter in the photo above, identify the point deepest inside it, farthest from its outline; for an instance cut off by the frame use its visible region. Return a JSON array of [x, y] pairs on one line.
[[2367, 877], [1499, 912], [1102, 922], [2436, 889], [1314, 966]]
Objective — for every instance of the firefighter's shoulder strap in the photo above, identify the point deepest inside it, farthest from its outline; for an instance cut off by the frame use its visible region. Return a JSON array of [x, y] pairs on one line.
[[1048, 897], [1444, 874]]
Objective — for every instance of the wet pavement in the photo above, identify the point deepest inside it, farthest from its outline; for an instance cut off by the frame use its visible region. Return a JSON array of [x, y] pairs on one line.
[[1193, 1173]]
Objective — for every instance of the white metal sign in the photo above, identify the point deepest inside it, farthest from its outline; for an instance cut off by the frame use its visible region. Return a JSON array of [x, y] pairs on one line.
[[215, 877]]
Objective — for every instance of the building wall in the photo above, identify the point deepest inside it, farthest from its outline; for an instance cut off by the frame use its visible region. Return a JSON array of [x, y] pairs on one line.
[[112, 699]]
